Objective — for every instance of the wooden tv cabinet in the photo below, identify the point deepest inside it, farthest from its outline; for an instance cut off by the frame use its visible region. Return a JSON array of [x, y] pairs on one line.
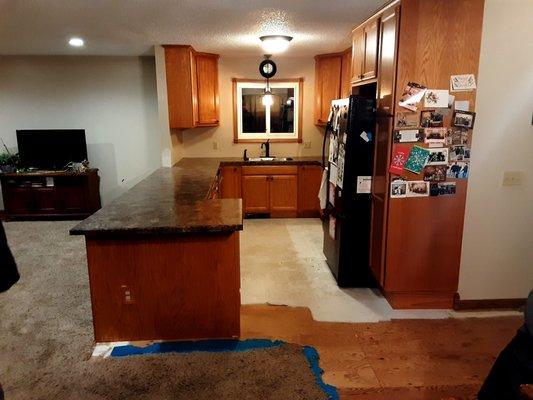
[[50, 194]]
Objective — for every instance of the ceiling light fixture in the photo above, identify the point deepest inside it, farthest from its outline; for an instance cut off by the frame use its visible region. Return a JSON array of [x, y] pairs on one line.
[[273, 44], [76, 42]]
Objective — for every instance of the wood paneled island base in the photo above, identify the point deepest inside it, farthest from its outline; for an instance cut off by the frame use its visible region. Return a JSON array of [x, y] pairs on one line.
[[164, 287]]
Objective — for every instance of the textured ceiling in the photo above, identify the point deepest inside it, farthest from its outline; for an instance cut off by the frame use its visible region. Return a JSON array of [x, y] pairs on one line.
[[132, 27]]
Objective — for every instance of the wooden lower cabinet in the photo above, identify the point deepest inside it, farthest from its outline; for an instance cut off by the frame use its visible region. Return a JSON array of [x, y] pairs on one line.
[[168, 287], [309, 179], [256, 194], [230, 182], [283, 195], [277, 190]]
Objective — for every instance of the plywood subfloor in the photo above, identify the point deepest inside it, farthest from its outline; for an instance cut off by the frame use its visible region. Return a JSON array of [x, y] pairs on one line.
[[398, 359]]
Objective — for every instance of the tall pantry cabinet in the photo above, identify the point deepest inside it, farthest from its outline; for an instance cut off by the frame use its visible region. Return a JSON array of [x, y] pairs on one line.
[[416, 242]]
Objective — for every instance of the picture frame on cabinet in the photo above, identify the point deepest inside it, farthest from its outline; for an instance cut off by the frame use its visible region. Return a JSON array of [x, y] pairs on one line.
[[431, 119], [417, 189], [435, 173], [408, 136], [435, 135], [459, 153], [456, 136], [438, 156], [458, 170], [463, 119], [406, 120], [398, 189], [442, 188]]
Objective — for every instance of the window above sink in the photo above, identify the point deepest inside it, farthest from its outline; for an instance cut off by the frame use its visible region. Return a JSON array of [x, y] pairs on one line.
[[255, 122]]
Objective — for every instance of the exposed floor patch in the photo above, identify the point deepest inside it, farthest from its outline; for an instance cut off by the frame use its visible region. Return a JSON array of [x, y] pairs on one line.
[[282, 264]]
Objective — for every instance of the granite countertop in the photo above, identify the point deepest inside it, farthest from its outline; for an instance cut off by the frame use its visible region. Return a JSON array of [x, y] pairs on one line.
[[174, 201]]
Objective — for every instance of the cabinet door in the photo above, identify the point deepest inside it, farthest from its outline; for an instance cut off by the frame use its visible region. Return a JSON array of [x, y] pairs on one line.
[[387, 61], [181, 86], [283, 195], [309, 179], [380, 185], [346, 73], [370, 40], [255, 194], [327, 85], [230, 185], [357, 54], [207, 83]]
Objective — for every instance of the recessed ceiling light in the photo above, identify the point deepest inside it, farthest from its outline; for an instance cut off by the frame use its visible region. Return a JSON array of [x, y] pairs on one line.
[[76, 42], [273, 44]]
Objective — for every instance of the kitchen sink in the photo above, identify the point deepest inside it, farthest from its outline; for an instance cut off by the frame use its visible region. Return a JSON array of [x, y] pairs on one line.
[[259, 159]]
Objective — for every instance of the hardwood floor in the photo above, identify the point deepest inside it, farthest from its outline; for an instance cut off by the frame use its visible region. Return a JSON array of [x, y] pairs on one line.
[[398, 359]]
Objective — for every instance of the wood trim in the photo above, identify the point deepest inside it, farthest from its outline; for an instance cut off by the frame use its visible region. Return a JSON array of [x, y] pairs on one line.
[[235, 129], [487, 304], [420, 300], [293, 140], [338, 53], [236, 80], [301, 109], [385, 7], [298, 139], [270, 170]]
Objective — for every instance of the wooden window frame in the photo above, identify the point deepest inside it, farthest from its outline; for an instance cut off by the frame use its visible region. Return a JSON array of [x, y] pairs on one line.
[[297, 139]]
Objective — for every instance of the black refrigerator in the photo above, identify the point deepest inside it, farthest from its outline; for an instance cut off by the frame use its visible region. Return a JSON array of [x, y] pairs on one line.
[[348, 153]]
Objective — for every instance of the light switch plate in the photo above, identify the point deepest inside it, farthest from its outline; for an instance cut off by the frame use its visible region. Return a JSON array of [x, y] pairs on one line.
[[307, 145], [512, 178], [215, 145]]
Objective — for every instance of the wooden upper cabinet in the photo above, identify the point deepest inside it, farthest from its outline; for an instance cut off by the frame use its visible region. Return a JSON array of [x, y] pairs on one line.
[[207, 83], [328, 69], [387, 61], [357, 54], [346, 73], [365, 51], [370, 40], [192, 87]]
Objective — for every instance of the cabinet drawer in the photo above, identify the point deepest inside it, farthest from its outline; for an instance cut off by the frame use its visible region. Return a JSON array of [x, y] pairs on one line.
[[270, 170]]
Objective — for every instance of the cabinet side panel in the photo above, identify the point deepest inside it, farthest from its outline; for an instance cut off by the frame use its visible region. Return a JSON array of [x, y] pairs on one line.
[[437, 39]]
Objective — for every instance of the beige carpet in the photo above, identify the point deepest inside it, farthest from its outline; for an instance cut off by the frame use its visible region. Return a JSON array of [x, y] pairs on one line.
[[46, 340]]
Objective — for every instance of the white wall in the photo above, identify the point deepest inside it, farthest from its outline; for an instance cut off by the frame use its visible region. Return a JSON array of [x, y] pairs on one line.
[[199, 142], [113, 98], [497, 255]]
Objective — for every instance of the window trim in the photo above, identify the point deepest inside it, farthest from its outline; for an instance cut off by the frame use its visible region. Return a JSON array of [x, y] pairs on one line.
[[297, 139]]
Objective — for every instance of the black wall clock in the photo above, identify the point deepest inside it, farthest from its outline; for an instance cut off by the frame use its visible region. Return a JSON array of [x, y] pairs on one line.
[[267, 69]]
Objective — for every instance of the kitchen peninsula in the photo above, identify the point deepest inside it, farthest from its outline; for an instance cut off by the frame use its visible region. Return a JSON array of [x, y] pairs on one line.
[[163, 258]]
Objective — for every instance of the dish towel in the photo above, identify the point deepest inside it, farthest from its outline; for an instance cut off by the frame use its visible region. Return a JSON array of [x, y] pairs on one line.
[[323, 192], [9, 274]]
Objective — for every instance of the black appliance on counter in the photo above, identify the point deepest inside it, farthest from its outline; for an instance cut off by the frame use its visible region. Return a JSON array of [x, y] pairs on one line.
[[349, 165]]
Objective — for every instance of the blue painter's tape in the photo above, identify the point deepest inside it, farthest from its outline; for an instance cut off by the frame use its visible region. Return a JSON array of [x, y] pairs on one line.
[[217, 346], [312, 356]]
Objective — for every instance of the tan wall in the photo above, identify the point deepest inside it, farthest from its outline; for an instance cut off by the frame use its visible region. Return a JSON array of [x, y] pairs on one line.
[[497, 254], [199, 142]]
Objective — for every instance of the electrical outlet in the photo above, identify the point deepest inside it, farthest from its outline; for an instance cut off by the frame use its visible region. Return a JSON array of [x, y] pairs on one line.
[[307, 145], [512, 178], [127, 296], [215, 145]]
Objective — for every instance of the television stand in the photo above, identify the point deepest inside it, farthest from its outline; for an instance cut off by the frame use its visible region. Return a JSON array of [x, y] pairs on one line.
[[50, 194]]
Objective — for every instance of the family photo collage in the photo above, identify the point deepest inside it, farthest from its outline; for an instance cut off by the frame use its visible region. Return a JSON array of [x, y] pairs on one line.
[[439, 152]]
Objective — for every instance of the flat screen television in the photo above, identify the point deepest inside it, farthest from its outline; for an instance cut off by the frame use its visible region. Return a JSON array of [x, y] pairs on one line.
[[51, 149]]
